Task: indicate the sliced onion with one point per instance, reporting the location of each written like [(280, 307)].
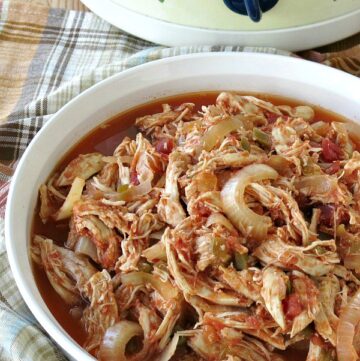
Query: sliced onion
[(348, 321), (83, 166), (232, 195), (73, 196), (155, 252), (218, 218), (116, 338), (321, 128), (218, 131), (316, 184), (279, 163), (305, 112), (169, 350), (85, 246), (166, 289), (157, 235), (135, 192), (353, 130)]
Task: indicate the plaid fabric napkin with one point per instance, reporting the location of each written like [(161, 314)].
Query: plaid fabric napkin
[(47, 57)]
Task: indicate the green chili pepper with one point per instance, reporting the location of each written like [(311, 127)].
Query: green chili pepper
[(220, 250), (341, 230), (241, 261), (145, 266), (288, 287), (245, 144), (320, 250), (123, 188), (262, 137)]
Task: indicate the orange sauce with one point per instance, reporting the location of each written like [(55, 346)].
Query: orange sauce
[(104, 139)]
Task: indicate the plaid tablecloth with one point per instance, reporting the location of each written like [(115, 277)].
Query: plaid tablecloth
[(48, 55)]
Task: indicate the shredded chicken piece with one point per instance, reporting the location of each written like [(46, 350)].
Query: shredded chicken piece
[(102, 311), (66, 271), (281, 201), (307, 292), (170, 208), (273, 292), (106, 240), (84, 166), (326, 321), (276, 252)]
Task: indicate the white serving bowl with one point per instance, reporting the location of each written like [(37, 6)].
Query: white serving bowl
[(290, 77)]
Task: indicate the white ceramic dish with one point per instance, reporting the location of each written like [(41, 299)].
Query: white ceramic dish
[(273, 74), (291, 25)]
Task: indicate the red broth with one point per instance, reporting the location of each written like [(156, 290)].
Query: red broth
[(104, 139)]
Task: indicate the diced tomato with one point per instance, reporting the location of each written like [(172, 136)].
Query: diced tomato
[(334, 168), (253, 322), (330, 150), (134, 178), (203, 210), (211, 334), (343, 216), (271, 117), (164, 146), (327, 214), (292, 306), (218, 326)]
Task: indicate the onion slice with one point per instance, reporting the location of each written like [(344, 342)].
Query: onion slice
[(349, 319), (218, 218), (232, 195), (353, 130), (169, 350), (155, 252), (166, 289), (84, 245), (316, 184), (218, 131), (73, 196), (116, 337)]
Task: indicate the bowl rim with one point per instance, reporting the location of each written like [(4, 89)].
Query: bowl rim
[(62, 338)]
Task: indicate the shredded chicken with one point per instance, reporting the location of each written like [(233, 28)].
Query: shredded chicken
[(225, 234)]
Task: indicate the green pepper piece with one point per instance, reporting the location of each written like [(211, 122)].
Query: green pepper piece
[(288, 287), (145, 266), (320, 250), (220, 250), (245, 144), (241, 261), (123, 188), (262, 137)]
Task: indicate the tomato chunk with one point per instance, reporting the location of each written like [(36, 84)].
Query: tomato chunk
[(330, 150), (292, 306), (271, 117), (327, 214), (164, 146), (334, 168), (134, 178)]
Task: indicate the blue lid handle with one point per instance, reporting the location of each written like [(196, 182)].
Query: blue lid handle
[(252, 8)]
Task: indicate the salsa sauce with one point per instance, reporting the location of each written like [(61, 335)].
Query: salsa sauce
[(104, 139)]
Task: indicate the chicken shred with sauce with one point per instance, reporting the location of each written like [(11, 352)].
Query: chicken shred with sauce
[(225, 234)]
